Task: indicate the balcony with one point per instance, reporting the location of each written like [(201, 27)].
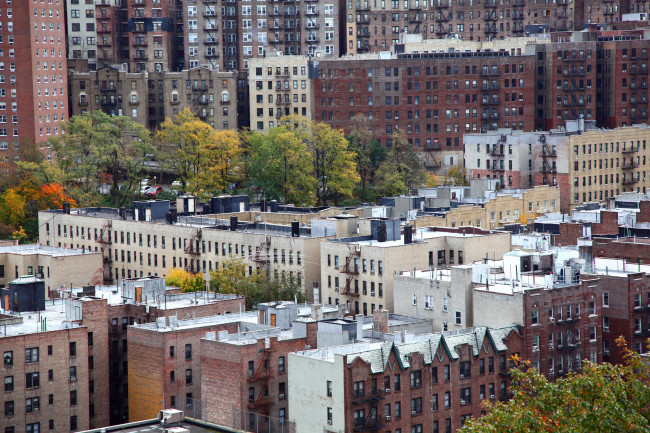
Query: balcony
[(630, 181), (575, 103), (104, 44), (492, 116), (207, 14), (518, 17), (638, 71), (489, 72), (311, 26), (109, 89), (360, 397), (109, 103), (282, 89), (312, 41), (497, 168), (489, 87), (141, 44), (570, 72), (363, 7), (518, 30), (199, 87), (311, 13), (140, 57), (442, 4), (639, 86), (572, 89), (103, 30), (442, 18), (213, 55), (210, 28), (627, 165), (491, 4), (281, 102), (631, 149), (491, 101), (211, 42), (496, 151)]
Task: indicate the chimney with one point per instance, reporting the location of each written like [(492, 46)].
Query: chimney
[(380, 321)]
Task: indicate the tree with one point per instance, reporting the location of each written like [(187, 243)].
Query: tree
[(402, 167), (97, 144), (232, 278), (457, 175), (219, 163), (184, 280), (279, 165), (369, 152), (12, 208), (603, 398), (334, 164), (179, 144)]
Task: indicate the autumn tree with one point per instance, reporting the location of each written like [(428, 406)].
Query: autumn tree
[(279, 165), (457, 175), (179, 144), (369, 152), (402, 171), (334, 163), (257, 287), (97, 144), (184, 280), (219, 163), (12, 208), (603, 398)]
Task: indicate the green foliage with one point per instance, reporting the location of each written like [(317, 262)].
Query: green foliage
[(369, 153), (97, 145), (232, 278), (603, 398), (402, 171)]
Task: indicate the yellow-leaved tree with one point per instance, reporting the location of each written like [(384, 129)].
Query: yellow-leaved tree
[(184, 280), (218, 163)]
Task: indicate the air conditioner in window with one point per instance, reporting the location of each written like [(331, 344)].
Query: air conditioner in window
[(535, 349), (492, 397), (189, 405), (329, 422), (413, 413), (336, 289), (387, 390), (281, 396), (462, 376), (551, 320), (73, 378), (463, 402)]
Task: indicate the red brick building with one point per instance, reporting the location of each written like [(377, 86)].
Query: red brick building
[(33, 88), (433, 98), (431, 384)]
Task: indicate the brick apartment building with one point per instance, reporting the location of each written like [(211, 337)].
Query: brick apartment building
[(434, 98), (33, 87), (150, 97), (433, 383), (588, 164), (164, 361)]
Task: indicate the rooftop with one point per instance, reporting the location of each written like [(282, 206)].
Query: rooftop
[(248, 321), (31, 249), (154, 425), (53, 318)]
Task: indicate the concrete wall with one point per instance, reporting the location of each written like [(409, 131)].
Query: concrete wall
[(308, 383), (497, 309)]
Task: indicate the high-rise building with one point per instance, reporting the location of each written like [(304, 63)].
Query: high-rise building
[(33, 82)]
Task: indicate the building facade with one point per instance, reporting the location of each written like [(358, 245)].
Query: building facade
[(432, 384), (151, 97), (279, 86)]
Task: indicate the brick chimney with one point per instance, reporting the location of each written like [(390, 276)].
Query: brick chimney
[(380, 321)]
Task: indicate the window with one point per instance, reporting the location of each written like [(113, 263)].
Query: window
[(606, 299), (9, 383), (416, 405), (73, 373), (281, 364), (447, 372), (9, 408), (73, 398), (329, 388), (397, 382), (8, 358), (188, 376), (31, 355), (458, 318), (188, 351), (359, 388), (465, 369), (171, 351), (447, 399), (416, 379), (31, 380), (73, 349), (465, 396)]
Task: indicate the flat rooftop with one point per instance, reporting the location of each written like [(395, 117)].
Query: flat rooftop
[(53, 318), (419, 235), (33, 249), (249, 321), (154, 426)]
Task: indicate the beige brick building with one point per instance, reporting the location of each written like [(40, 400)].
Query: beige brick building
[(137, 248), (360, 270), (150, 97), (278, 86), (58, 267)]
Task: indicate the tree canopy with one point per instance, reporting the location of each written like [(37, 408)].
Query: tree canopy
[(603, 398), (402, 170)]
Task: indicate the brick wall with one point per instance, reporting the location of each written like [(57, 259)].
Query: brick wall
[(569, 234)]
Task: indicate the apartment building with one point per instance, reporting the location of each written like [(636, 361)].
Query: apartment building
[(601, 12), (359, 271), (165, 361), (279, 86), (134, 249), (432, 383), (33, 81), (57, 267), (575, 65), (152, 35), (151, 97), (372, 26), (434, 97)]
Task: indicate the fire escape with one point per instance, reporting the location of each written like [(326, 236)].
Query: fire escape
[(262, 257), (351, 269), (549, 166), (105, 241), (415, 18), (570, 345), (193, 249), (260, 402), (371, 421), (496, 152)]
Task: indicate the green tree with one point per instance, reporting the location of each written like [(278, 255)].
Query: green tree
[(232, 278), (96, 145), (369, 152), (334, 163), (179, 141), (402, 167), (279, 165), (603, 398)]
